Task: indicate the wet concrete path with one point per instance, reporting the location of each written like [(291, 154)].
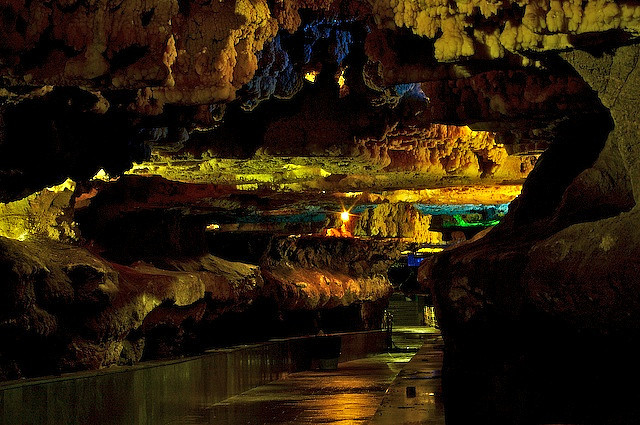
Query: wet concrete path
[(415, 396), (350, 395)]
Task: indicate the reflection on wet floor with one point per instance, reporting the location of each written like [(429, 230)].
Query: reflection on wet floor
[(349, 395), (415, 396)]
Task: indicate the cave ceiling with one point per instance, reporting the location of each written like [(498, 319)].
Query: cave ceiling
[(299, 97)]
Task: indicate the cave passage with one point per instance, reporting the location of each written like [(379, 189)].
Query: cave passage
[(207, 198), (369, 390)]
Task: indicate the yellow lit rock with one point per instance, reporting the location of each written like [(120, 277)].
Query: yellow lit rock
[(311, 76), (454, 42), (44, 214), (101, 175), (480, 194), (546, 24), (430, 250), (397, 220)]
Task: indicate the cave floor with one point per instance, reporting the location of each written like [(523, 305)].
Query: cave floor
[(357, 392), (415, 396)]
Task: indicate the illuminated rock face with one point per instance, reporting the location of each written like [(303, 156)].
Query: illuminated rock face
[(46, 214), (527, 26), (397, 220), (256, 112), (68, 309), (172, 52)]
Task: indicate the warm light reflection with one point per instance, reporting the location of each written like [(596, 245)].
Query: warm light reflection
[(213, 226), (311, 76), (344, 89), (41, 214), (101, 175), (430, 250), (341, 79)]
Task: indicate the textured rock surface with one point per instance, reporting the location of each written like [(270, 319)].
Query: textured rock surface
[(398, 220), (47, 214), (172, 52), (526, 26), (600, 297), (262, 111), (68, 309), (308, 273), (563, 264)]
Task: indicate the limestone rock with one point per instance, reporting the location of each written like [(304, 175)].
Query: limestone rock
[(398, 220), (563, 263), (46, 214), (313, 273), (68, 309)]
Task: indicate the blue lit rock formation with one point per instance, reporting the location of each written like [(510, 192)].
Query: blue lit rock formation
[(276, 76)]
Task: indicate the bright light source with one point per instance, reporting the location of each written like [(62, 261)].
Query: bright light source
[(311, 76), (101, 175), (341, 79), (344, 216), (213, 226), (430, 249)]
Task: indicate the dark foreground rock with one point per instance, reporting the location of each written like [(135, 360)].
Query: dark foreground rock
[(540, 317), (65, 308)]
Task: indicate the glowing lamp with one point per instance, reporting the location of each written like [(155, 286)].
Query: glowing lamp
[(344, 216), (311, 76)]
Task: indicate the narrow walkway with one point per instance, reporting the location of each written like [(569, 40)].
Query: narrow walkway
[(350, 395), (414, 397)]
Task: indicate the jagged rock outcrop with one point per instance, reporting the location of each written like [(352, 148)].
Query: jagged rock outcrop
[(68, 309), (445, 150), (170, 51), (311, 273), (398, 220), (562, 265), (46, 214), (507, 28)]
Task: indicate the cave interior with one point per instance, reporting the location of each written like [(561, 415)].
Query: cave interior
[(180, 175)]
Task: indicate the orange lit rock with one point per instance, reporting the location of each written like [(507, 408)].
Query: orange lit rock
[(444, 149), (340, 232), (314, 272), (171, 55)]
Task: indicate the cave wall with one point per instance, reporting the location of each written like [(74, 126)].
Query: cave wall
[(215, 96), (398, 220), (67, 308), (552, 290)]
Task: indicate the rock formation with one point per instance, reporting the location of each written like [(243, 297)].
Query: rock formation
[(553, 268), (241, 130)]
